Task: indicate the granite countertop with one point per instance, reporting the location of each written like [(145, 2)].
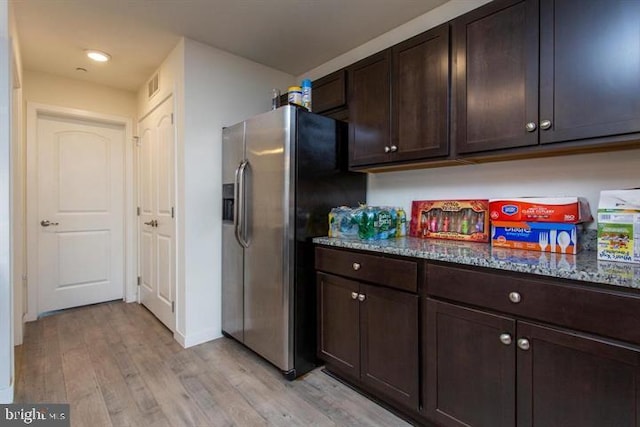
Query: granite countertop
[(583, 267)]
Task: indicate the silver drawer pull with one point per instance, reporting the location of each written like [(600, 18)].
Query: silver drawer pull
[(356, 266), (515, 297), (354, 295), (361, 297)]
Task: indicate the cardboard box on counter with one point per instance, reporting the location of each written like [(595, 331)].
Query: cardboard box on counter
[(536, 236), (450, 219), (619, 225), (571, 210)]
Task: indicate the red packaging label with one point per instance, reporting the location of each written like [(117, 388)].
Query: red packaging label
[(534, 210)]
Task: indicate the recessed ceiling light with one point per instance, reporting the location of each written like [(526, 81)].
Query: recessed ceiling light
[(97, 55)]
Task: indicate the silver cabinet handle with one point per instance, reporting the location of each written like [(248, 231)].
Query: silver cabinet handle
[(361, 297), (387, 148), (515, 297), (545, 124), (46, 223), (354, 295), (505, 339), (393, 148), (523, 344), (356, 266), (530, 127)]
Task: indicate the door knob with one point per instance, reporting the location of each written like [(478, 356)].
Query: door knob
[(361, 297), (545, 124), (356, 266), (387, 148), (149, 223), (530, 127), (46, 223), (354, 295), (393, 148)]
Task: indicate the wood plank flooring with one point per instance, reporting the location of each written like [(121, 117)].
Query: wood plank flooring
[(117, 365)]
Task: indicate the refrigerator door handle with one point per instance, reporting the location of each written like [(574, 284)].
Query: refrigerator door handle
[(240, 211)]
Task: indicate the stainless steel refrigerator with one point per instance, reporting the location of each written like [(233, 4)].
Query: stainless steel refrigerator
[(282, 172)]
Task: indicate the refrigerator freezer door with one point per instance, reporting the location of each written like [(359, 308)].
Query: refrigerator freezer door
[(269, 255), (232, 253)]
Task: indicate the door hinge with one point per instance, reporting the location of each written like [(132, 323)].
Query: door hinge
[(173, 306), (171, 118), (138, 210), (173, 212), (136, 141), (139, 280)]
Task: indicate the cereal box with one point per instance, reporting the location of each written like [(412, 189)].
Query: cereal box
[(619, 225), (536, 236), (450, 219), (571, 210)]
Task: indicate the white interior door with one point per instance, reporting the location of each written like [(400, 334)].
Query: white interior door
[(156, 220), (80, 191)]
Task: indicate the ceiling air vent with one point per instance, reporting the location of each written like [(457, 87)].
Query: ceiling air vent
[(153, 85)]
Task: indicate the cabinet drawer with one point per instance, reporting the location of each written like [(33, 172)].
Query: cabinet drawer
[(590, 310), (395, 273)]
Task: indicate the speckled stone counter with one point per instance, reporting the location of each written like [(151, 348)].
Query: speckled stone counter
[(583, 267)]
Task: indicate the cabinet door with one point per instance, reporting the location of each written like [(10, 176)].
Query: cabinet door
[(589, 68), (389, 334), (369, 105), (470, 371), (565, 379), (496, 76), (420, 124), (338, 324), (329, 92)]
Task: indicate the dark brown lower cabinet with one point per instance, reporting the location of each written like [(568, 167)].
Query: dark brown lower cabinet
[(339, 324), (369, 334), (487, 370), (470, 373), (565, 379)]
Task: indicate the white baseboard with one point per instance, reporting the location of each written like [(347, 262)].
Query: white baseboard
[(198, 338), (6, 395), (131, 297)]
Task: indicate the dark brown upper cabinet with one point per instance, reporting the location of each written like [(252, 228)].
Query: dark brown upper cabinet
[(496, 76), (369, 110), (589, 69), (413, 125), (329, 92), (573, 62), (420, 96)]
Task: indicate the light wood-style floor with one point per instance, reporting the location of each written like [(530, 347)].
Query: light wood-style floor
[(118, 366)]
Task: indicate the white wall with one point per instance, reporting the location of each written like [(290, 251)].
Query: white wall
[(211, 89), (576, 175), (6, 294), (45, 88), (18, 187), (220, 90)]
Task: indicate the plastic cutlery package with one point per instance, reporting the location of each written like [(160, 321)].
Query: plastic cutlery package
[(536, 236)]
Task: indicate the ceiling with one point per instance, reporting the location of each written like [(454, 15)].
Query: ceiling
[(293, 36)]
